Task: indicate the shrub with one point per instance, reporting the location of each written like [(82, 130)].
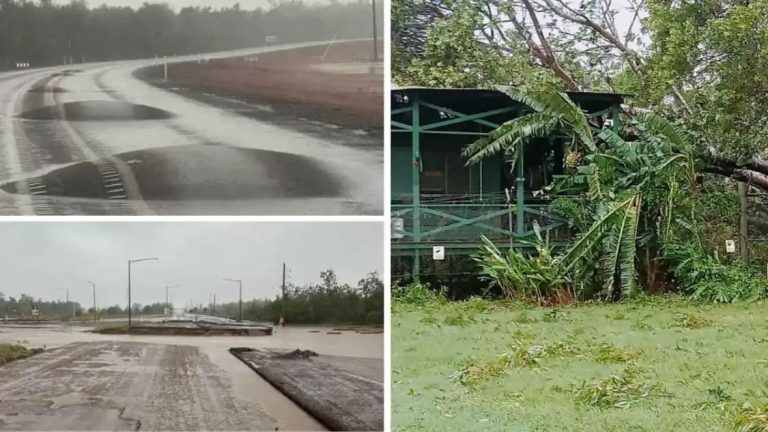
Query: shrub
[(417, 294), (521, 276), (704, 278)]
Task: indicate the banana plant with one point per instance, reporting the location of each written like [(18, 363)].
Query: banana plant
[(634, 188)]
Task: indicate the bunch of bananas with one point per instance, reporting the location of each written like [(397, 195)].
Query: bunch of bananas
[(573, 159)]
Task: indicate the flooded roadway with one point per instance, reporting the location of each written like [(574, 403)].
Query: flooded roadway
[(88, 381), (92, 139)]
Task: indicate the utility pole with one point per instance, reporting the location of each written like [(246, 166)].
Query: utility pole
[(375, 46), (167, 302), (282, 300)]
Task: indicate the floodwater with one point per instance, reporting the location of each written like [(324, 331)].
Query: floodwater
[(92, 381), (317, 339), (93, 139)]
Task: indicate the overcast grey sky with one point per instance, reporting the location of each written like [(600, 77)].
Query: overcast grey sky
[(178, 4), (42, 258)]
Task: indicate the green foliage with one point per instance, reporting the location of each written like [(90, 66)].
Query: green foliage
[(475, 370), (451, 55), (609, 353), (327, 302), (722, 41), (417, 294), (575, 212), (690, 321), (9, 352), (619, 391), (751, 417), (705, 278), (635, 197), (520, 276)]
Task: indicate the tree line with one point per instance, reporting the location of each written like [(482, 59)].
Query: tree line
[(326, 302), (45, 33), (21, 307), (322, 303)]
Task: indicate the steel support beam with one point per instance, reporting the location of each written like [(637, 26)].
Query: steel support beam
[(520, 193), (416, 181)]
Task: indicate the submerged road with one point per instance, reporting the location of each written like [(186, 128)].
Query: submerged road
[(87, 381), (92, 139)]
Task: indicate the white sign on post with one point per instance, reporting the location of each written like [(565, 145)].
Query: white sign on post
[(730, 246), (35, 312), (438, 253), (398, 226)]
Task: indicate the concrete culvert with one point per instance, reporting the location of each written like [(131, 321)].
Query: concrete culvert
[(100, 111)]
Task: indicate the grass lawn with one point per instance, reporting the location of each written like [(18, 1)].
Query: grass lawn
[(9, 352), (657, 364)]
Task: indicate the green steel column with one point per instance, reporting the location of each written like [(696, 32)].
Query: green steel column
[(520, 186), (616, 118), (416, 180)]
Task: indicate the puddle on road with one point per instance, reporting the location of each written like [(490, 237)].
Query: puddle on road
[(202, 172), (99, 110)]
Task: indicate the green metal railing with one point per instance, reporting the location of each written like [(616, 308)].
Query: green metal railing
[(464, 223)]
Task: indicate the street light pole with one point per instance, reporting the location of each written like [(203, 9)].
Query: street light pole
[(129, 285), (240, 284), (73, 305)]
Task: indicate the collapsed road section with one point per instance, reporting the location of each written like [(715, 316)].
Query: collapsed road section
[(343, 393)]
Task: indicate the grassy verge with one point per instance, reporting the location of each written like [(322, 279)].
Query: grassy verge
[(651, 365), (10, 352)]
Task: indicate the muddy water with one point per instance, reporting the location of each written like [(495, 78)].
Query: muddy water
[(245, 384), (346, 344)]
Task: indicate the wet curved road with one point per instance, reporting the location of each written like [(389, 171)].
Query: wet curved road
[(94, 140)]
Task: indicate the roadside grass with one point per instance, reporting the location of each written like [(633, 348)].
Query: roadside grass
[(654, 364), (10, 352)]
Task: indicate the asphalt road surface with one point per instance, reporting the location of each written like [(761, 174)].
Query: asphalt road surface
[(92, 139), (87, 381), (123, 386)]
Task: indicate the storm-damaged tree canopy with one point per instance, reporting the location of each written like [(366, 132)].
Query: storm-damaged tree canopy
[(702, 64)]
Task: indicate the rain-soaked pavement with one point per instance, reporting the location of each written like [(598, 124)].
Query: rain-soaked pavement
[(93, 139), (89, 381)]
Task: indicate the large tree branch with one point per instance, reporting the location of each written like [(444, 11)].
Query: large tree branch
[(753, 178), (548, 54)]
